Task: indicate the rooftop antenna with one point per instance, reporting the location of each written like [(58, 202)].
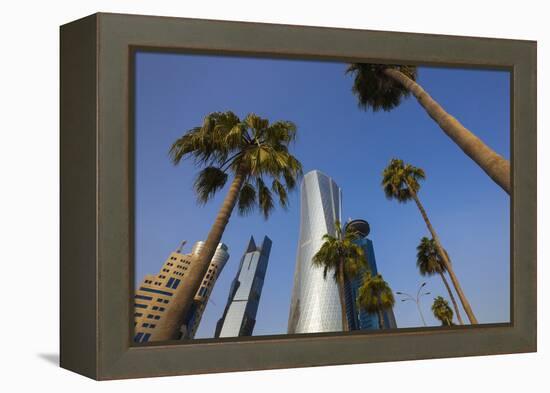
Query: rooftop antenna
[(181, 246)]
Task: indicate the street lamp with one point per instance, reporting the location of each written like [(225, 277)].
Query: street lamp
[(416, 299)]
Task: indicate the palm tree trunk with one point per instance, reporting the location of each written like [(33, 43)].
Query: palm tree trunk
[(496, 166), (185, 294), (343, 308), (455, 306), (444, 257), (381, 324)]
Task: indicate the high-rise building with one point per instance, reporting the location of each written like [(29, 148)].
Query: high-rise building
[(239, 316), (193, 318), (315, 305), (359, 319), (156, 293)]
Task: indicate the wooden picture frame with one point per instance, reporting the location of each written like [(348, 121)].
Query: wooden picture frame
[(97, 196)]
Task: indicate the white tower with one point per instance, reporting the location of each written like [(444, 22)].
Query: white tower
[(315, 304)]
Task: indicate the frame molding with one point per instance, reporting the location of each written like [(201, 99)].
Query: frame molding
[(97, 196)]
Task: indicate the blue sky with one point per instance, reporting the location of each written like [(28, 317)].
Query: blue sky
[(471, 213)]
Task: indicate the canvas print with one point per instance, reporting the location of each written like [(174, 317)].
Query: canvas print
[(293, 197)]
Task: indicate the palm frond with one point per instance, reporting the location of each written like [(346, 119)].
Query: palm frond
[(428, 260), (208, 181), (183, 147), (247, 199), (265, 199), (374, 89), (280, 132), (280, 190), (256, 124), (375, 294), (235, 137), (399, 180), (253, 147), (442, 311), (340, 249)]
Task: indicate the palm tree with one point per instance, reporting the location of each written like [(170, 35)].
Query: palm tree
[(345, 258), (430, 263), (442, 311), (401, 182), (250, 151), (383, 86), (375, 296)]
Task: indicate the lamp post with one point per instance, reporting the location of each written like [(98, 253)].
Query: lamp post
[(416, 299)]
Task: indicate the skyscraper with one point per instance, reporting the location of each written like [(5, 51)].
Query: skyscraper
[(315, 305), (153, 319), (239, 316), (194, 316), (359, 319)]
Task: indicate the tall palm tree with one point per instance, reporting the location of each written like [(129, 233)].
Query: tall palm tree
[(401, 182), (375, 296), (384, 86), (429, 263), (442, 311), (250, 151), (344, 258)]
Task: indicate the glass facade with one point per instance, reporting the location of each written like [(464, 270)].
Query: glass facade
[(239, 316), (315, 305), (357, 318)]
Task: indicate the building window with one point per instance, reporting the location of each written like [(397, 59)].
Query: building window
[(152, 326), (161, 309), (150, 316), (138, 314), (155, 291), (143, 297), (146, 337), (157, 316), (202, 291), (173, 283), (155, 308), (140, 305), (145, 325), (138, 337)]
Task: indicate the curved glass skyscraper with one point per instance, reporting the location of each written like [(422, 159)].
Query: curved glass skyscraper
[(315, 305)]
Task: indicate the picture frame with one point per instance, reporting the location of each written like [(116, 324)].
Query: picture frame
[(97, 155)]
